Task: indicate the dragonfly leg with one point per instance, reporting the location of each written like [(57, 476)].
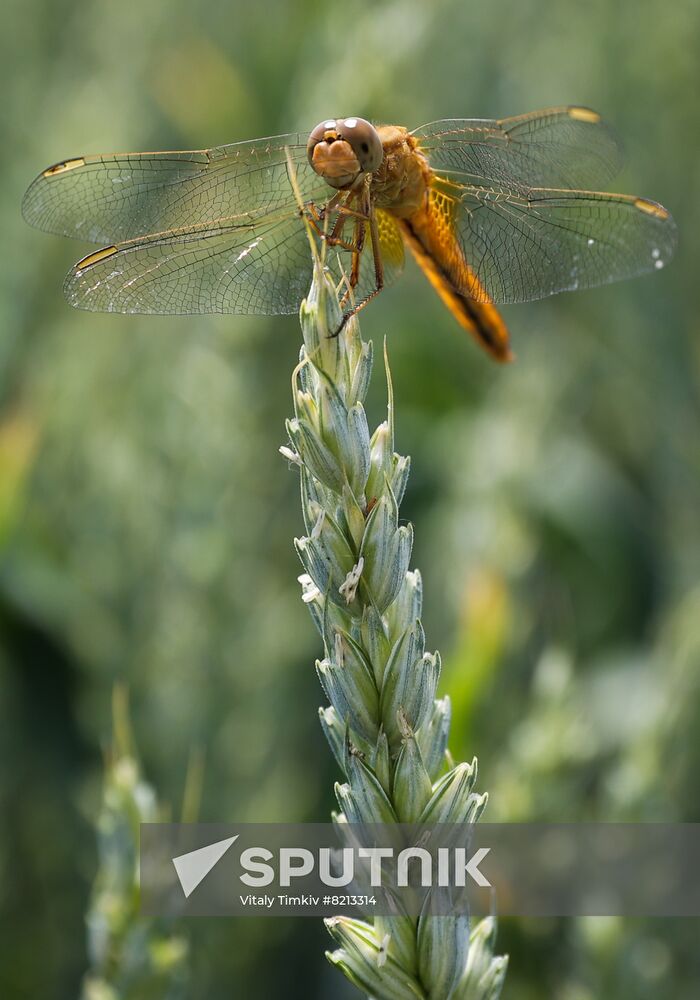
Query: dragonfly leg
[(335, 237), (378, 273), (359, 243), (317, 216)]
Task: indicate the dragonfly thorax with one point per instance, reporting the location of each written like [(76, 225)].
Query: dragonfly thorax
[(401, 182)]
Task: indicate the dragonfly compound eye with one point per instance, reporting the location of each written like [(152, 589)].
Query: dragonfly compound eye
[(362, 136), (342, 149)]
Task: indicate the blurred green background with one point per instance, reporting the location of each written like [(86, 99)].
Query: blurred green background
[(146, 518)]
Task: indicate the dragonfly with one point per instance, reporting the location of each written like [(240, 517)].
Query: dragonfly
[(493, 211)]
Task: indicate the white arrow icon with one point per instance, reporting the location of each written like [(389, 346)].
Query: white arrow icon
[(191, 868)]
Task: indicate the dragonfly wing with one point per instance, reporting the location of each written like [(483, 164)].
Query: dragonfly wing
[(111, 199), (527, 246), (263, 268), (567, 147)]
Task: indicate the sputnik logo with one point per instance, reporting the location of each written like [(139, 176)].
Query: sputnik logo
[(194, 866), (453, 866)]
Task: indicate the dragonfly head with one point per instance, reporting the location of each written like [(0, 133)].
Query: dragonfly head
[(342, 149)]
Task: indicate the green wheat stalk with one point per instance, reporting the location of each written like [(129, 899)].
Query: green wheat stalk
[(384, 724), (131, 957)]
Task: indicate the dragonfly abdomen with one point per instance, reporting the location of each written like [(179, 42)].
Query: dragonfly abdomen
[(430, 238)]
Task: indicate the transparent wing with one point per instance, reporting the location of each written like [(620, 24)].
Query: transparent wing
[(524, 247), (261, 267), (559, 147), (111, 199), (264, 268)]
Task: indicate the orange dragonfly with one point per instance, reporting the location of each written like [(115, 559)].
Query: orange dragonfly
[(493, 212)]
